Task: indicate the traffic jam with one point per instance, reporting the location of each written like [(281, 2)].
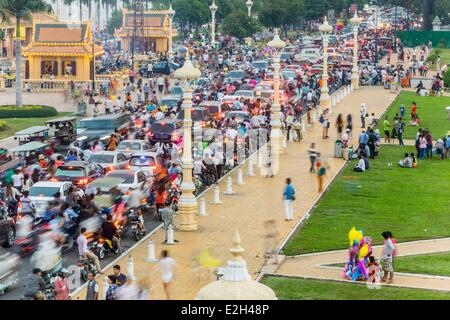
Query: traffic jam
[(108, 180)]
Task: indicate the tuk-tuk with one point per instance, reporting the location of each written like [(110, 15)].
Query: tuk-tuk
[(28, 151), (63, 130), (32, 134), (105, 191)]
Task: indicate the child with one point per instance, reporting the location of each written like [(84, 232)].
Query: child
[(373, 270)]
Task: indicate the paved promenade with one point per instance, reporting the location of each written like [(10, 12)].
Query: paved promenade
[(259, 200)]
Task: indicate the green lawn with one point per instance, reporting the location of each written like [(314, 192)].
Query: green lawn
[(412, 203), (310, 289), (17, 124), (431, 111), (444, 54)]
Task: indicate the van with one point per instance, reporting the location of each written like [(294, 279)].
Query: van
[(102, 127)]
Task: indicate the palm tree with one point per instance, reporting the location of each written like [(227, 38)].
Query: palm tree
[(21, 10)]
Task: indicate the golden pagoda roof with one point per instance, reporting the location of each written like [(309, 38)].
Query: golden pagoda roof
[(68, 39), (155, 24)]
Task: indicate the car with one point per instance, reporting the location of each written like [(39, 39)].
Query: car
[(143, 161), (133, 179), (246, 94), (287, 74), (236, 76), (80, 173), (239, 115), (129, 147), (7, 229), (285, 57), (109, 160), (165, 67), (260, 65), (9, 269), (217, 109), (172, 102), (162, 131), (176, 91), (42, 192)]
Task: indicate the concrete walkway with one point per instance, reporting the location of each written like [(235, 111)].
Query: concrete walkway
[(316, 265), (259, 200)]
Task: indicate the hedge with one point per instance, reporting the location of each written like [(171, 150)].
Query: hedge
[(27, 111), (447, 79)]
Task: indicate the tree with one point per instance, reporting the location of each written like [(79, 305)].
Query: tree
[(21, 10), (115, 22), (280, 13), (239, 25), (193, 13)]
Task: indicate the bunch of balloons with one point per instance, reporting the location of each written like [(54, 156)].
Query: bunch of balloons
[(359, 252)]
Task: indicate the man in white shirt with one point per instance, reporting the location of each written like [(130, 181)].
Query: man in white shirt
[(84, 252), (361, 166), (362, 114), (17, 179)]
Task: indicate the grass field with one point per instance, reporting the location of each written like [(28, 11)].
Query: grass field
[(310, 289), (431, 111), (412, 203), (17, 124)]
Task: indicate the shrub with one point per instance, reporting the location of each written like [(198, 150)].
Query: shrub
[(27, 111), (447, 79), (432, 58), (3, 126), (442, 44)]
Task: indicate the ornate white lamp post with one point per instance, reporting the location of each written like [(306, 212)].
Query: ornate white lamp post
[(249, 5), (275, 133), (325, 29), (187, 204), (355, 21), (213, 9), (170, 15)]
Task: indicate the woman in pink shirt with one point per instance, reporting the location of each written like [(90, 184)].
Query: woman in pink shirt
[(61, 285), (422, 146)]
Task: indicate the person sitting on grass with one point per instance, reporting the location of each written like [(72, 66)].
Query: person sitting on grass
[(406, 162), (414, 160), (361, 166)]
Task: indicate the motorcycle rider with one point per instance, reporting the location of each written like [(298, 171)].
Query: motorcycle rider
[(84, 252), (34, 285), (109, 231)]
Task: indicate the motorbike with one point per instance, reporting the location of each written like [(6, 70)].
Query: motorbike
[(137, 225)]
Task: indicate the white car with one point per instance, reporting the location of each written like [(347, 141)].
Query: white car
[(131, 146), (110, 160), (143, 161), (132, 179), (42, 192), (247, 94)]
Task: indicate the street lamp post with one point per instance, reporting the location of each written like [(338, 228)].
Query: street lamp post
[(213, 9), (187, 204), (355, 21), (249, 5), (325, 29), (275, 133), (170, 15)]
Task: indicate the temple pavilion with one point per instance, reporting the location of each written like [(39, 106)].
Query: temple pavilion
[(155, 30), (61, 51)]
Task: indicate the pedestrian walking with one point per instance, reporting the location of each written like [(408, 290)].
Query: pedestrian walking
[(387, 255), (167, 267), (288, 197), (363, 114), (313, 154)]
